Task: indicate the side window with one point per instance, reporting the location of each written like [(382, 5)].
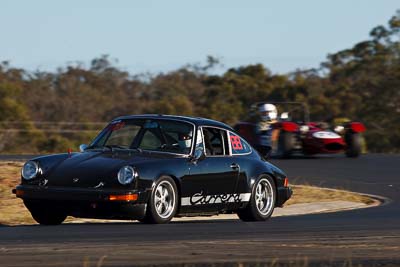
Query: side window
[(238, 145), (216, 141)]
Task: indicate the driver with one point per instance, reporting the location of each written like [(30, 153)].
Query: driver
[(267, 115), (185, 142)]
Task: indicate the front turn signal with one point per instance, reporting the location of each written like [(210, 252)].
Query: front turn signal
[(18, 192), (128, 197)]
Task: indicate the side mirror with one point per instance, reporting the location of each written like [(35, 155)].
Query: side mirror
[(82, 147), (199, 154)]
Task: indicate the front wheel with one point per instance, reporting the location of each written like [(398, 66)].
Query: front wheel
[(262, 201), (163, 202)]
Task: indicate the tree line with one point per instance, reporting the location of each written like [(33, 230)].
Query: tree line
[(44, 112)]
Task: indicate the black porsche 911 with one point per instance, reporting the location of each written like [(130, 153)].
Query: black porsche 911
[(152, 168)]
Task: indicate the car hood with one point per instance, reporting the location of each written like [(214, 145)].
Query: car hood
[(91, 169)]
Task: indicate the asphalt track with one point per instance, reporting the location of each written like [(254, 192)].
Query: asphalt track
[(367, 237)]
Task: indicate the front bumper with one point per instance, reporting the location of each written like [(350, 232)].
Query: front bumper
[(86, 203), (321, 146)]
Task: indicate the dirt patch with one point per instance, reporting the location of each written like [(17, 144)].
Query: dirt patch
[(13, 211)]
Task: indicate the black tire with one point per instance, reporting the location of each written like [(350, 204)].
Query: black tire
[(353, 141), (285, 144), (46, 215), (252, 211), (154, 213)]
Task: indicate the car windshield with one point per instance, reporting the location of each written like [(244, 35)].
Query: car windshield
[(146, 134)]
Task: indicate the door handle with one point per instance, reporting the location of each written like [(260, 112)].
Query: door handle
[(235, 166)]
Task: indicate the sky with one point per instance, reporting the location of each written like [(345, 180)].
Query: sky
[(160, 36)]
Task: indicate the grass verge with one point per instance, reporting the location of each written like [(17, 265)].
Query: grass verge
[(309, 194)]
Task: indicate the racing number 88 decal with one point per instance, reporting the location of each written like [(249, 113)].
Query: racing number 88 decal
[(236, 142)]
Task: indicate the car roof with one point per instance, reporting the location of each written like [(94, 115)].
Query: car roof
[(198, 121)]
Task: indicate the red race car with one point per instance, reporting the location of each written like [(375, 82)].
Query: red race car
[(292, 132)]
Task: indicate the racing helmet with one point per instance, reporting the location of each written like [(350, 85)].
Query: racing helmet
[(268, 112), (185, 140)]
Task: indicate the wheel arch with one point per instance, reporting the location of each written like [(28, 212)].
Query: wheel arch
[(264, 168), (255, 178), (277, 175), (177, 183)]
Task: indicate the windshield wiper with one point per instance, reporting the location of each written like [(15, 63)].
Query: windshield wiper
[(111, 148), (137, 149), (93, 148)]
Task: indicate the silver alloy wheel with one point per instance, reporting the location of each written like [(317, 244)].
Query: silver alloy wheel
[(264, 196), (164, 199)]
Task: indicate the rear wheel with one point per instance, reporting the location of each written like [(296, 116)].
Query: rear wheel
[(163, 202), (353, 141), (262, 201)]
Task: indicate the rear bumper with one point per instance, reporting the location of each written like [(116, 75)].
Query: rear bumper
[(284, 193), (86, 203)]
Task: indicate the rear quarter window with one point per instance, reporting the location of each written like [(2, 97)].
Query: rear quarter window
[(238, 144)]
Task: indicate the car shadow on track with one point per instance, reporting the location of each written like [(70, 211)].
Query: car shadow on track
[(79, 224)]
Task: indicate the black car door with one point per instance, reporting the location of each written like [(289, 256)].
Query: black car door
[(211, 183)]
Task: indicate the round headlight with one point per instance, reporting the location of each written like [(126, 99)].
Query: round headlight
[(30, 170), (126, 175)]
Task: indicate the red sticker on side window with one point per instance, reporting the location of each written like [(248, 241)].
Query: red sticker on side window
[(236, 143), (117, 126)]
